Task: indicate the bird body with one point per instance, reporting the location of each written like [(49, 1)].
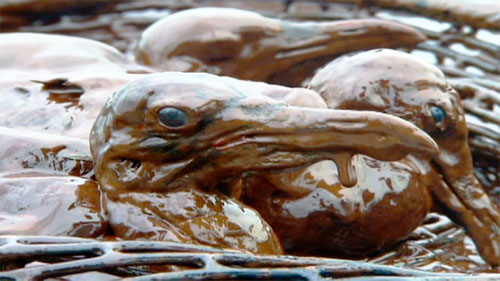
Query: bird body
[(395, 83), (162, 174)]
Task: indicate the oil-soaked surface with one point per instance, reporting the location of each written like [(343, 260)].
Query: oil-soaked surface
[(64, 84), (147, 165), (62, 93), (25, 152), (249, 46), (334, 220), (50, 205), (398, 84)]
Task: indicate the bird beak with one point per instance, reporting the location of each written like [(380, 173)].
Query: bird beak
[(248, 46), (307, 46), (294, 136), (464, 198)]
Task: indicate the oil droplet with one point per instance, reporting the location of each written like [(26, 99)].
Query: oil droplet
[(347, 175)]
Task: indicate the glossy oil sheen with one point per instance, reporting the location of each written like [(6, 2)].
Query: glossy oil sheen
[(249, 46), (71, 85), (399, 84), (171, 181)]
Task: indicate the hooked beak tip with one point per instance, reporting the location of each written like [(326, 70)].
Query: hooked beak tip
[(427, 144)]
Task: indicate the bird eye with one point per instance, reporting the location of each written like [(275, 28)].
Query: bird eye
[(173, 117), (437, 113)]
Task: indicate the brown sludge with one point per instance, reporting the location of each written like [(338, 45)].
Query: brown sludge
[(373, 215), (184, 182), (147, 167)]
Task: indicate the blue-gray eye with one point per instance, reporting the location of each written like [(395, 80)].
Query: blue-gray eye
[(173, 117), (437, 113)]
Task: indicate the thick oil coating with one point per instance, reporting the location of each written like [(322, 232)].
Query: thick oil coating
[(248, 46), (52, 85), (50, 205), (315, 214), (29, 153), (63, 85), (66, 80), (60, 90), (66, 95), (401, 85), (46, 186), (381, 211), (166, 145), (51, 56)]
